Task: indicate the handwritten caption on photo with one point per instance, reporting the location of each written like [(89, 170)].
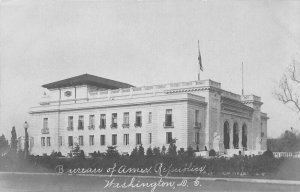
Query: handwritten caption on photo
[(161, 170)]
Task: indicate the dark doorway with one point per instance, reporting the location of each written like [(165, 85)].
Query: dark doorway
[(235, 136), (244, 137), (226, 135)]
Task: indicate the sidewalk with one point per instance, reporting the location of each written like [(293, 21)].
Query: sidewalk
[(248, 180)]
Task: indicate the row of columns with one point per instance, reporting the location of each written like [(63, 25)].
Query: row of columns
[(228, 134)]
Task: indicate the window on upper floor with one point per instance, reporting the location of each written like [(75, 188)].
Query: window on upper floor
[(92, 122), (80, 122), (45, 123), (197, 118), (126, 120), (138, 119), (102, 121), (150, 117), (114, 120), (70, 123), (168, 118)]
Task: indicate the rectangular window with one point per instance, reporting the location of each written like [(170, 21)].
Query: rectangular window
[(126, 139), (197, 118), (60, 141), (150, 138), (102, 121), (138, 119), (43, 142), (138, 139), (114, 120), (126, 120), (150, 117), (197, 137), (168, 118), (80, 122), (114, 139), (48, 142), (91, 140), (81, 140), (70, 123), (102, 139), (45, 123), (168, 137), (92, 122), (70, 141)]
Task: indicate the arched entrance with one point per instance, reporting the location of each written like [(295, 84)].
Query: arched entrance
[(244, 136), (226, 135), (235, 139)]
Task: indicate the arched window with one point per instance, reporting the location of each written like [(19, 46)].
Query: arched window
[(235, 136), (244, 136), (226, 135)]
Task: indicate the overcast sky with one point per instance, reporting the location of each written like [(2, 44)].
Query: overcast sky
[(144, 43)]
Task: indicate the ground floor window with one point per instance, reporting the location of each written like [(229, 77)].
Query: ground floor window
[(138, 139), (91, 139), (150, 138), (81, 140), (43, 142), (197, 137), (60, 141), (48, 142), (126, 139), (168, 137), (70, 141), (102, 139), (114, 139)]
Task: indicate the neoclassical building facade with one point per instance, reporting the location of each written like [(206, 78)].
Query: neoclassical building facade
[(96, 112)]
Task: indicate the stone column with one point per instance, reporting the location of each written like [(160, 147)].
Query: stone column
[(231, 136)]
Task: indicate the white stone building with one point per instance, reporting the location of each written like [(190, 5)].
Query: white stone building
[(97, 112)]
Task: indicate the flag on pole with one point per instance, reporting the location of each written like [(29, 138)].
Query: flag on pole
[(199, 58)]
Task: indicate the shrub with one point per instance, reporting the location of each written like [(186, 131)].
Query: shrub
[(163, 150), (212, 152), (112, 152), (149, 152), (141, 151), (156, 151), (190, 151), (134, 153), (268, 153), (172, 150)]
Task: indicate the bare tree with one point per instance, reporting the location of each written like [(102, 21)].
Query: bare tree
[(288, 90)]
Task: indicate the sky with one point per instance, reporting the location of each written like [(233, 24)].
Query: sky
[(146, 42)]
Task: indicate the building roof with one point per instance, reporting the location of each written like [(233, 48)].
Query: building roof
[(87, 79)]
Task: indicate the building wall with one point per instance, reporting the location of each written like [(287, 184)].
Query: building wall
[(183, 98), (180, 110)]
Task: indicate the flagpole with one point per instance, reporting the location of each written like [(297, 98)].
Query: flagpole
[(199, 59), (242, 78)]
